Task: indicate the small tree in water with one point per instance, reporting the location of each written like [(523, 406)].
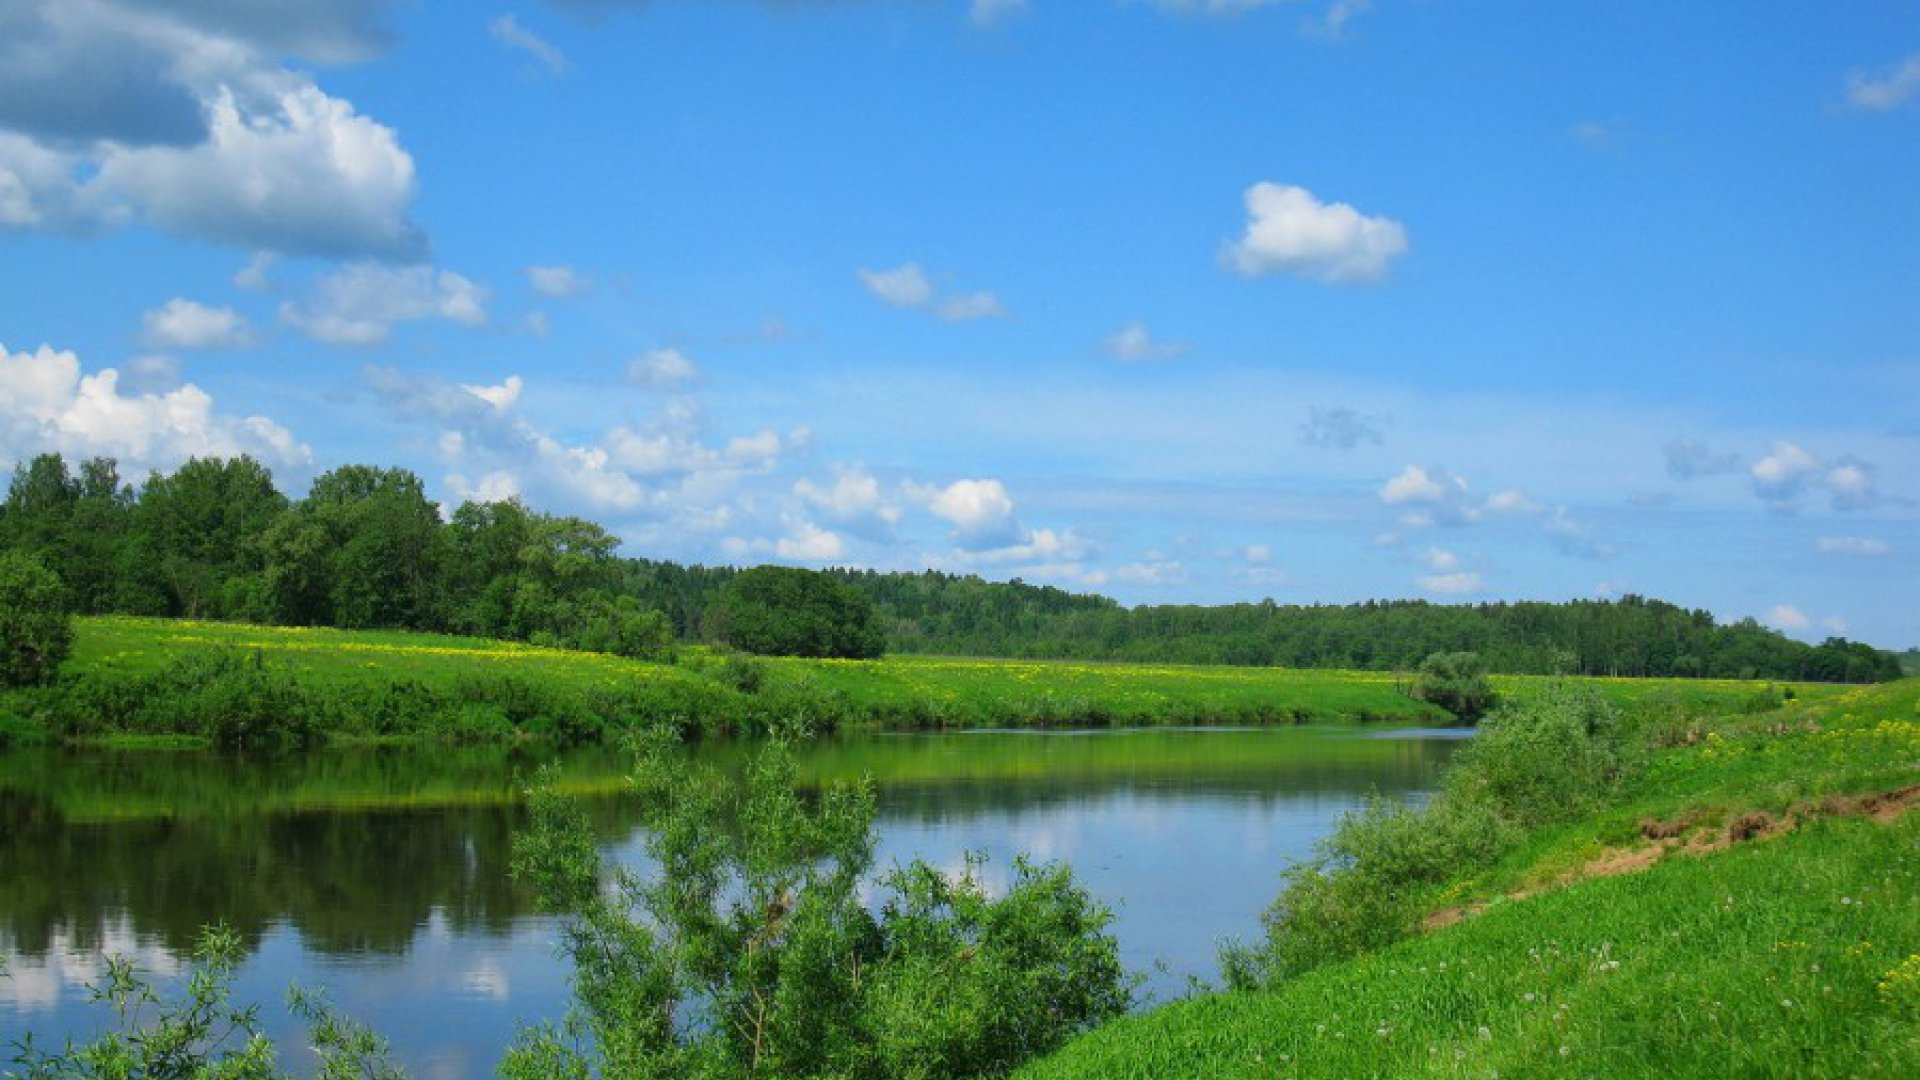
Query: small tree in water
[(1457, 682), (751, 954)]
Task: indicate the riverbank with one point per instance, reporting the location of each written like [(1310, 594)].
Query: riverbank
[(167, 681), (1742, 904)]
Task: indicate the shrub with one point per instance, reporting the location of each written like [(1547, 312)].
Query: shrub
[(1457, 682), (750, 952), (36, 628)]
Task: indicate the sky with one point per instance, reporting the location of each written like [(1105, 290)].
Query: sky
[(1180, 301)]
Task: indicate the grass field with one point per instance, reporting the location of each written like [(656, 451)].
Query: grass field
[(392, 684), (1745, 907)]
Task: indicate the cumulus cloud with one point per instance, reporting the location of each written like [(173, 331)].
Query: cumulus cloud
[(1690, 458), (1431, 496), (256, 275), (115, 111), (1511, 501), (1339, 428), (1889, 90), (153, 373), (1440, 560), (47, 403), (558, 281), (1788, 474), (362, 303), (1573, 537), (501, 397), (1133, 343), (980, 511), (1157, 572), (853, 500), (662, 368), (1858, 546), (507, 31), (185, 324), (907, 286), (1290, 230), (804, 542)]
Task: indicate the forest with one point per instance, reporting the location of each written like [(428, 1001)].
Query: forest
[(367, 549)]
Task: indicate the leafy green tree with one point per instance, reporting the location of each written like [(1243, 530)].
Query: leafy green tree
[(36, 630), (750, 953), (1457, 682), (785, 611), (364, 549), (203, 527)]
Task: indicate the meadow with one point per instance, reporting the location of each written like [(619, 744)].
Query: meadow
[(170, 681), (1743, 905)]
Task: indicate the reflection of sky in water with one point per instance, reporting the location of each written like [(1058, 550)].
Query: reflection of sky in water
[(1183, 860)]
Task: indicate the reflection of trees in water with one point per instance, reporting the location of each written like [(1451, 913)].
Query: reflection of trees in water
[(366, 882), (350, 883)]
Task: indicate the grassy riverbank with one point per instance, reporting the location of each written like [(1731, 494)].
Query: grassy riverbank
[(154, 679), (1742, 905)]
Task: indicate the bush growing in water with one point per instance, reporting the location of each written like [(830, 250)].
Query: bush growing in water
[(1530, 765), (751, 954), (36, 630)]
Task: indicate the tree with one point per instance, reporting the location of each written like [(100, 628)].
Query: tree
[(749, 953), (785, 611), (36, 629)]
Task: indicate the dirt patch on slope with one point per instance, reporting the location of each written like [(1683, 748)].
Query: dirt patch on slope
[(1685, 834)]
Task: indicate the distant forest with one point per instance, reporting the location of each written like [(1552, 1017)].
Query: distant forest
[(367, 549)]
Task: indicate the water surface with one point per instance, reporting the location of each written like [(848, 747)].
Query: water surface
[(382, 875)]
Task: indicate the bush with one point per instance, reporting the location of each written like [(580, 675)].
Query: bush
[(36, 628), (751, 953), (1373, 879), (1457, 682)]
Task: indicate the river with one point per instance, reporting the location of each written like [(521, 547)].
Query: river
[(381, 874)]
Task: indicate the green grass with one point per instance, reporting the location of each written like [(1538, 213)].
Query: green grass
[(1765, 958), (385, 684)]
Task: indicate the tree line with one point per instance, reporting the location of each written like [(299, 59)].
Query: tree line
[(366, 548)]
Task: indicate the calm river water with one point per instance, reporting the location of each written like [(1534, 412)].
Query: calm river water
[(382, 875)]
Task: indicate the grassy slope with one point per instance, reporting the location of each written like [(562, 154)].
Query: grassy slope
[(1763, 958), (898, 692)]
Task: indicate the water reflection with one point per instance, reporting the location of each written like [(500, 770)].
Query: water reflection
[(383, 875)]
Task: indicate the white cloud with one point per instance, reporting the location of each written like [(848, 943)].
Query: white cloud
[(904, 286), (184, 324), (362, 303), (493, 487), (993, 12), (980, 511), (1595, 134), (907, 286), (558, 281), (1257, 554), (117, 111), (255, 276), (1834, 624), (507, 31), (1434, 496), (1512, 501), (1462, 583), (1134, 343), (966, 307), (1789, 473), (1440, 560), (48, 404), (810, 543), (854, 499), (1786, 617), (1860, 546), (1289, 230), (1053, 547), (1212, 7), (662, 368), (1152, 572), (1880, 93), (307, 175), (1573, 537), (153, 373), (501, 397)]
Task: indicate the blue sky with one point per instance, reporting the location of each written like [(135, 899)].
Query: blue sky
[(1176, 301)]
